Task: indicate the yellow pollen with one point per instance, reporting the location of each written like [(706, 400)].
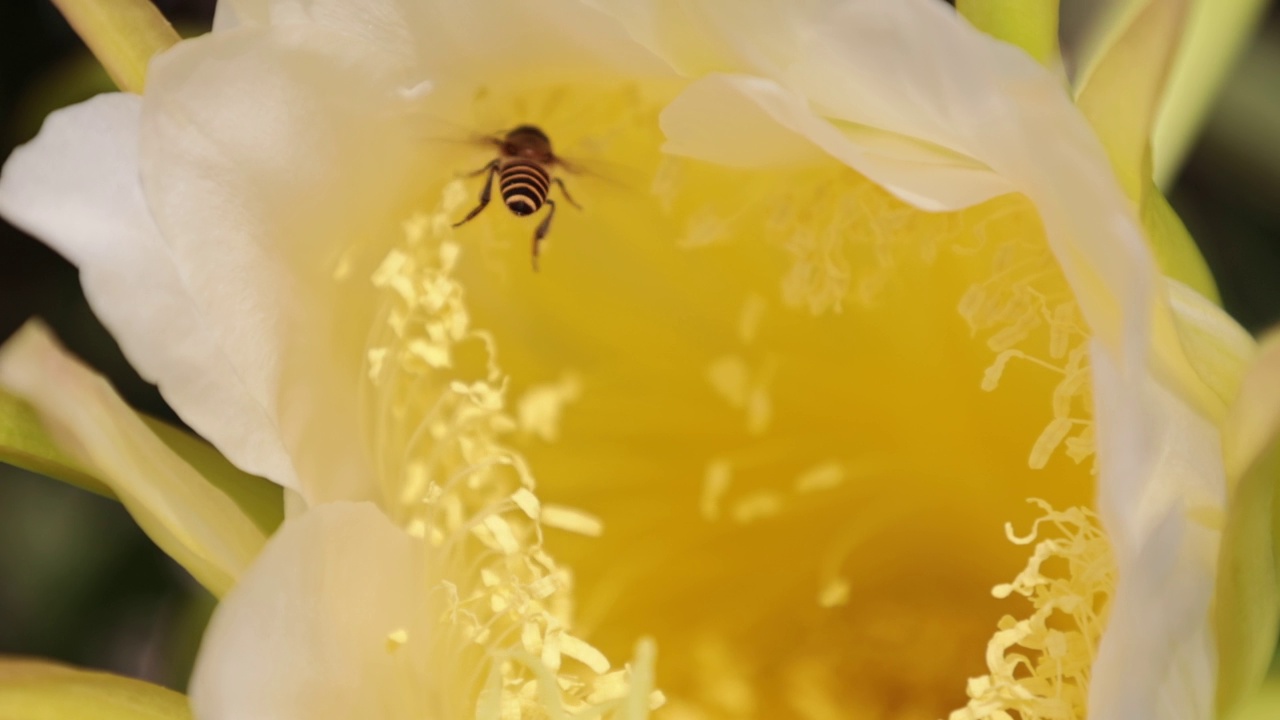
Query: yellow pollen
[(541, 406), (396, 639)]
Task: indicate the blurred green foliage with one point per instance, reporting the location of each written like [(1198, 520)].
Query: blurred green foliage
[(80, 583)]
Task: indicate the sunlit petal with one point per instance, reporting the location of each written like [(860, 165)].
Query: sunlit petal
[(259, 215), (76, 187)]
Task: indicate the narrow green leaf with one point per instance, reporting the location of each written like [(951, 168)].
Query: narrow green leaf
[(260, 499), (123, 34), (1217, 32), (1030, 24), (40, 690), (25, 444)]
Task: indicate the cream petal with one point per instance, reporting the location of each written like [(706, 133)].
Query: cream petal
[(305, 635), (274, 161), (76, 187), (1161, 497), (746, 121), (192, 521), (383, 24)]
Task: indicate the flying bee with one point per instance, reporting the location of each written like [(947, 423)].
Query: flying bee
[(523, 168)]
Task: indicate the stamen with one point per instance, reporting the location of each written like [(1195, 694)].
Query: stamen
[(438, 422), (1025, 303), (1039, 668)]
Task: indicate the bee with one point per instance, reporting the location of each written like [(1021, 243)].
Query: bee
[(523, 168)]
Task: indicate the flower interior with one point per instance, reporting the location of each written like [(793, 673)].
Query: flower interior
[(789, 427)]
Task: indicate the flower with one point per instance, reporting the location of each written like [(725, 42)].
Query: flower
[(854, 283)]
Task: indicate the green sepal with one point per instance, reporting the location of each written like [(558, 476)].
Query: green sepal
[(24, 443), (1247, 598), (1030, 24), (1265, 705), (260, 499), (41, 690), (1247, 607), (1176, 252)]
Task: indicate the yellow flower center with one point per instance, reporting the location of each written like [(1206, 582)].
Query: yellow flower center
[(803, 412)]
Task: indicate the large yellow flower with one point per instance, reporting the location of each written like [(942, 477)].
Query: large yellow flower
[(857, 323)]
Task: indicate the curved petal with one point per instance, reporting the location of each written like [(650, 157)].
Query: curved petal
[(1122, 94), (306, 635), (746, 121), (189, 519), (272, 160), (1216, 346), (76, 187), (40, 690), (1161, 492)]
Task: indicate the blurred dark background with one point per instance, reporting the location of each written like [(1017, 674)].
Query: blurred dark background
[(80, 583)]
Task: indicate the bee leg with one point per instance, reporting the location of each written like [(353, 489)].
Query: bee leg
[(541, 232), (485, 194), (565, 191), (492, 164)]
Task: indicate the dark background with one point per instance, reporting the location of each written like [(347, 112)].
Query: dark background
[(80, 583)]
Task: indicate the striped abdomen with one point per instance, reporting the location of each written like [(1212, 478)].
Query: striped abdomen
[(523, 184)]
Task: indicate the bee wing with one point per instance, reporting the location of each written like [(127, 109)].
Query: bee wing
[(616, 176), (434, 127)]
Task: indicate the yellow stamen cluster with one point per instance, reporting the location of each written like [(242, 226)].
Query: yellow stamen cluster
[(1039, 667), (504, 634), (1024, 304)]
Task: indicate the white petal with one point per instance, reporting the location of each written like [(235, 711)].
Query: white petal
[(76, 187), (745, 121), (1161, 495), (197, 525), (304, 636), (478, 40), (274, 163)]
